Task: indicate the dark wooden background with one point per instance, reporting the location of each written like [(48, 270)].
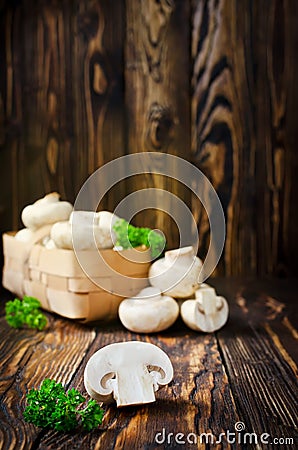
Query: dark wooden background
[(85, 81)]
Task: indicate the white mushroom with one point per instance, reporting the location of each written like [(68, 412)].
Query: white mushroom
[(207, 313), (48, 243), (148, 311), (106, 222), (61, 235), (24, 235), (177, 273), (46, 211), (129, 372), (90, 229)]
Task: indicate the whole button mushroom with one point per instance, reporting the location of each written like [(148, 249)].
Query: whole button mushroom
[(24, 235), (148, 312), (106, 237), (130, 372), (177, 273), (90, 228), (207, 313), (46, 211)]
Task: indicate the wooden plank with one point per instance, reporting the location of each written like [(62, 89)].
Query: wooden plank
[(187, 405), (16, 347), (61, 110), (12, 117), (27, 358), (157, 97), (61, 99), (256, 349), (217, 123), (243, 129), (289, 170), (245, 373), (98, 92), (264, 302)]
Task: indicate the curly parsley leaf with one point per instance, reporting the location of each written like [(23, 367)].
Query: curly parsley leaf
[(130, 236), (25, 312), (91, 416), (51, 407)]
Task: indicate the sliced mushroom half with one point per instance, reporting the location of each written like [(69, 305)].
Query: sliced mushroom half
[(129, 372), (208, 312)]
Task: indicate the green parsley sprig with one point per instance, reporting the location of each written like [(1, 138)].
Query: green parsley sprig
[(25, 312), (130, 236), (52, 407)]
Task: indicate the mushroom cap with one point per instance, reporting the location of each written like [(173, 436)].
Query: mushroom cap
[(177, 273), (52, 197), (84, 230), (46, 211), (127, 370), (61, 235), (106, 222), (148, 312), (88, 225), (24, 235), (207, 313), (84, 218), (187, 310)]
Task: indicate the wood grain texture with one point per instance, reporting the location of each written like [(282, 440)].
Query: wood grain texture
[(200, 381), (157, 95), (256, 340), (98, 94), (245, 372), (29, 357), (61, 98), (243, 104), (83, 82)]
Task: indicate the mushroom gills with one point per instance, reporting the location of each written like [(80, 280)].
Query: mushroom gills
[(130, 372), (208, 312)]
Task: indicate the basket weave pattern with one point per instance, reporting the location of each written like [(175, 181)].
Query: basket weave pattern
[(56, 278)]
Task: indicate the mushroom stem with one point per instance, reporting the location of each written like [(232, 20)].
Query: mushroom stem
[(208, 312), (130, 372), (140, 379), (207, 301)]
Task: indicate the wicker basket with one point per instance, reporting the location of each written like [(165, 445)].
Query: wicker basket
[(56, 278)]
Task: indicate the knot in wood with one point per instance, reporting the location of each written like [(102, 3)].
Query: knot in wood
[(160, 126)]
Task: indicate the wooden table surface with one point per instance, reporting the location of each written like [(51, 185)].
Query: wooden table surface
[(244, 373)]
